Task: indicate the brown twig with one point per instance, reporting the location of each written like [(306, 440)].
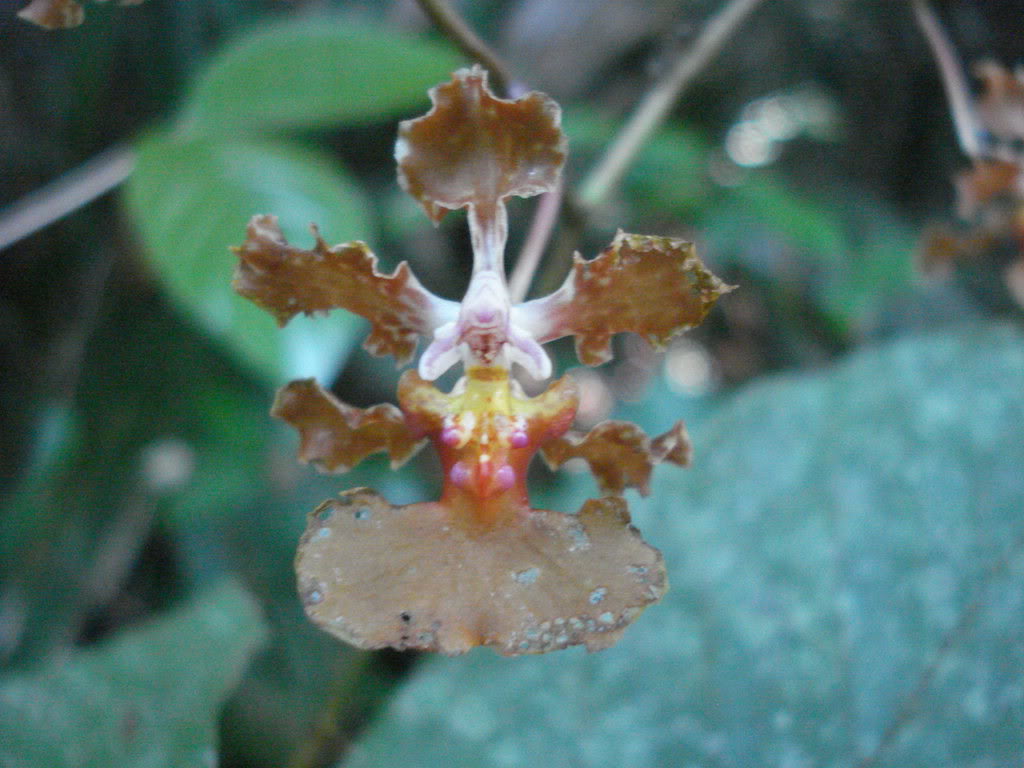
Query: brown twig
[(458, 31), (658, 101)]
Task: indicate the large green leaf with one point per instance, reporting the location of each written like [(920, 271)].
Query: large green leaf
[(149, 697), (191, 200), (845, 554), (316, 73)]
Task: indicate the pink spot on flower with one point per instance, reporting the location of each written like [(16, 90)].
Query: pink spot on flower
[(459, 474), (450, 437), (505, 477), (519, 439)]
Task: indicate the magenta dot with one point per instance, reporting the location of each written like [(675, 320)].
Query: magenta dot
[(450, 437), (505, 476), (459, 474), (519, 439)]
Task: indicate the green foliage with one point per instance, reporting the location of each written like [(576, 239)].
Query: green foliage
[(155, 395), (191, 199), (317, 73), (851, 255), (149, 696), (839, 537), (194, 189)]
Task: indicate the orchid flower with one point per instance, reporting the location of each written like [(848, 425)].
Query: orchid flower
[(479, 566)]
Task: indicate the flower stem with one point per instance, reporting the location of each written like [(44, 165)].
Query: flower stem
[(965, 121), (75, 189), (454, 27), (655, 106), (537, 238)]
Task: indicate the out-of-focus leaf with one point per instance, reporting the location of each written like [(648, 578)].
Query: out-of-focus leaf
[(191, 200), (313, 73), (669, 171), (854, 256), (838, 536), (150, 696), (161, 428)]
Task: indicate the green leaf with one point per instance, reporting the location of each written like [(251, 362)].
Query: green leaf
[(148, 697), (191, 199), (853, 254), (846, 552), (669, 171), (162, 429), (311, 73)]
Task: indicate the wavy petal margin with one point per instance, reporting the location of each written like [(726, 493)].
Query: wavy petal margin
[(286, 280), (422, 576), (473, 148), (653, 286), (619, 454), (58, 14), (335, 436)]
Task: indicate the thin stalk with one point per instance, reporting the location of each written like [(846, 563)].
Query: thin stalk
[(46, 205), (454, 27), (656, 104), (965, 120), (537, 238)]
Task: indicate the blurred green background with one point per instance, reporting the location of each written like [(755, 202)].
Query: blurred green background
[(846, 553)]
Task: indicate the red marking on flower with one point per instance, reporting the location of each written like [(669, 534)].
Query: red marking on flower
[(479, 566)]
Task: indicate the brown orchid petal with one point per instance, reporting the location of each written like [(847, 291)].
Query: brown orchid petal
[(987, 180), (53, 14), (619, 453), (673, 446), (1001, 106), (421, 576), (335, 436), (474, 148), (58, 14), (653, 286), (286, 280)]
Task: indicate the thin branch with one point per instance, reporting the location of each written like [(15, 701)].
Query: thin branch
[(458, 31), (46, 205), (654, 108), (541, 227), (965, 120)]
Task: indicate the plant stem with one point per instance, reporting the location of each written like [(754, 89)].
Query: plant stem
[(541, 227), (655, 106), (458, 31), (42, 207), (965, 121)]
